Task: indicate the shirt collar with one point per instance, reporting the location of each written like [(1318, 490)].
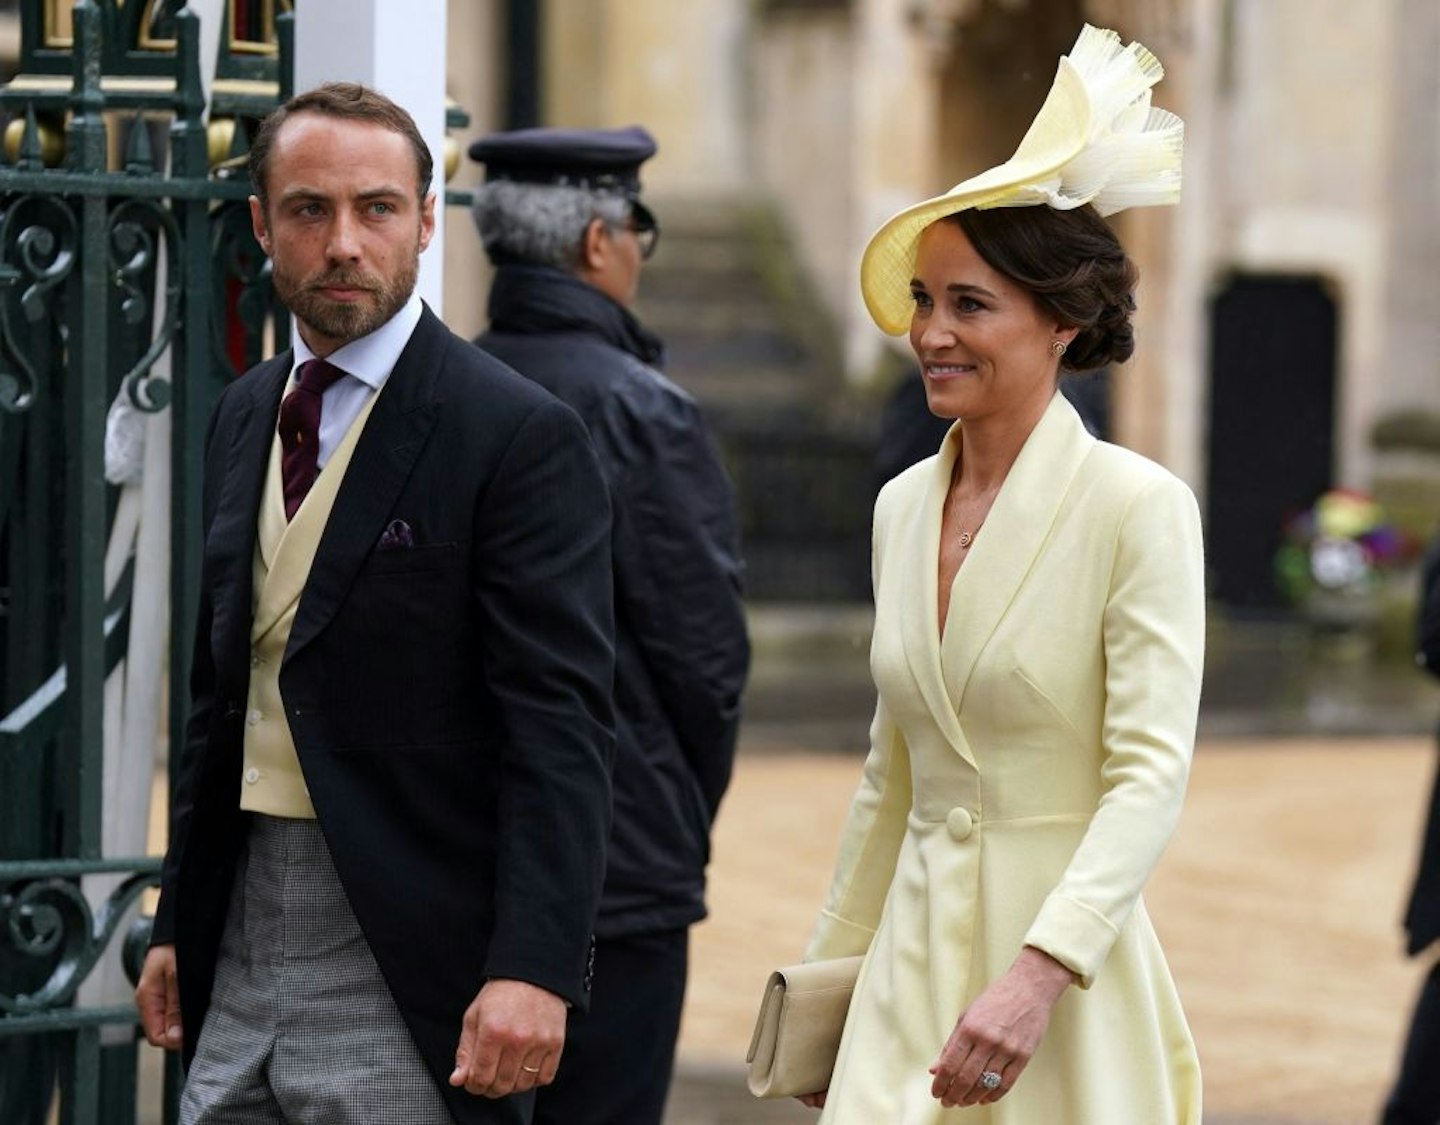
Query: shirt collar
[(370, 358)]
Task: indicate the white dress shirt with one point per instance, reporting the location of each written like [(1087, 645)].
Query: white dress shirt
[(367, 363)]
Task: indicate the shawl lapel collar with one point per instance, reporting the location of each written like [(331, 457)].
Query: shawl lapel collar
[(231, 539), (1015, 532), (921, 540), (399, 425)]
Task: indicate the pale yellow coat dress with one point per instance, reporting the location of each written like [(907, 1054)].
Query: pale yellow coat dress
[(1025, 774)]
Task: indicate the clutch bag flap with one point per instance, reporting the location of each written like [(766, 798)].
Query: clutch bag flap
[(797, 1033)]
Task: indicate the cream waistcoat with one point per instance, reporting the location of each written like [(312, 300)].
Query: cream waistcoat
[(271, 780)]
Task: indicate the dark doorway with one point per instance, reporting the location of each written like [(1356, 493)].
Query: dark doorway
[(1272, 424)]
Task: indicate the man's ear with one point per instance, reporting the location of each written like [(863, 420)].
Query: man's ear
[(595, 246), (257, 224), (427, 221)]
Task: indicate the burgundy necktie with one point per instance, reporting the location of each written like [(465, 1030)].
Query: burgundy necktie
[(300, 430)]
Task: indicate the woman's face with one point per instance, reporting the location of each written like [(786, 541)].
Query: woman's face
[(984, 345)]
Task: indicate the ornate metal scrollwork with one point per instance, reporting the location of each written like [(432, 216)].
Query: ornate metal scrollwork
[(37, 244), (241, 262), (48, 916), (132, 253)]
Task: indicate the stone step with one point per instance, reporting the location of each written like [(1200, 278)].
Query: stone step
[(704, 216), (773, 350), (685, 253), (764, 391), (747, 312), (741, 334)]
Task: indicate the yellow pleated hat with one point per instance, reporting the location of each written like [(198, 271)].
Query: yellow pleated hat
[(1096, 140)]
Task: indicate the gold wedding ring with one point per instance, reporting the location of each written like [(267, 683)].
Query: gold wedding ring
[(530, 1069)]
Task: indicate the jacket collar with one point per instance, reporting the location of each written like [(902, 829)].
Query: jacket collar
[(1015, 532), (530, 300)]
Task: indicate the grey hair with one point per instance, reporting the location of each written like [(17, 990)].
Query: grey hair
[(542, 224)]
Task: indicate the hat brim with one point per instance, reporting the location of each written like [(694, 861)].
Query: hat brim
[(1055, 137)]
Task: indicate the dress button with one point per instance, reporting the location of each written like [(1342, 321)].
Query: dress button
[(959, 824), (252, 775), (254, 718)]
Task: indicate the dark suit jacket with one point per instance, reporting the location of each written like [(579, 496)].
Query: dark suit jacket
[(1422, 916), (450, 701)]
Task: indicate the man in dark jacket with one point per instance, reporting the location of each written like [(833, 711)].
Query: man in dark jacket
[(1415, 1098), (561, 218)]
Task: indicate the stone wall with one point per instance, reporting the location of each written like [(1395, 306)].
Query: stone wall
[(679, 69), (1306, 128)]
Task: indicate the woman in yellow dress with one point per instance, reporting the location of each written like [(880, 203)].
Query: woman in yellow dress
[(1039, 636)]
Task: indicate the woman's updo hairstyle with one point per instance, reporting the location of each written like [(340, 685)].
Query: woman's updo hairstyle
[(1072, 264)]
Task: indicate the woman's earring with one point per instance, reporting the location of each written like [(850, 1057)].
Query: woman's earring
[(1057, 348)]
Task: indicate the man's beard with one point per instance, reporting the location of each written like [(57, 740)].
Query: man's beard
[(346, 320)]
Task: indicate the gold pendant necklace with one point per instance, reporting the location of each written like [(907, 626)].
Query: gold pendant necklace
[(968, 537)]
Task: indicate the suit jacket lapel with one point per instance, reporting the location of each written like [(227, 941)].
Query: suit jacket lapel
[(231, 539), (1014, 534), (399, 426)]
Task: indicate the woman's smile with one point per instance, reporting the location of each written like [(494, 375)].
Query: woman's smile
[(937, 370)]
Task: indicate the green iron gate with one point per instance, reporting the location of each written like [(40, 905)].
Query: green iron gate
[(130, 284), (127, 270)]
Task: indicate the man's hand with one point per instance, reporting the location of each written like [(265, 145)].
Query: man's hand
[(511, 1039), (158, 998)]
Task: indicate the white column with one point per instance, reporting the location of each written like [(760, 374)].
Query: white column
[(398, 48)]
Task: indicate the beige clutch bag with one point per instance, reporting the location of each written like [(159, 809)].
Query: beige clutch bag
[(797, 1034)]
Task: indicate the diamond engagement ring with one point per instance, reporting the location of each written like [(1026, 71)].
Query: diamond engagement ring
[(990, 1080)]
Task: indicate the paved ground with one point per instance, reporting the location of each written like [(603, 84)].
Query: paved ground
[(1277, 904)]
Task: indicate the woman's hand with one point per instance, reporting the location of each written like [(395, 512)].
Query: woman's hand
[(814, 1101), (999, 1032)]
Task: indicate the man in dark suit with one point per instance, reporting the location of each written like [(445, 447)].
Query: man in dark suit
[(387, 840), (560, 214)]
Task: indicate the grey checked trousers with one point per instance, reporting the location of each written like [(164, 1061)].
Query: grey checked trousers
[(302, 1029)]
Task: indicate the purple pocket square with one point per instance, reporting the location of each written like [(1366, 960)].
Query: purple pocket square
[(397, 535)]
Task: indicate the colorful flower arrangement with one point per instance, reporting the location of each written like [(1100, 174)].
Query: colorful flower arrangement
[(1340, 546)]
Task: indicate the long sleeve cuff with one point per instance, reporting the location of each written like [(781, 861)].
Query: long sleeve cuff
[(1074, 934)]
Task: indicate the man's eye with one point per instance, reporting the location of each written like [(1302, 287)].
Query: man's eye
[(378, 208)]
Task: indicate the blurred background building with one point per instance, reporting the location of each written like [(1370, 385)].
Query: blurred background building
[(1290, 307)]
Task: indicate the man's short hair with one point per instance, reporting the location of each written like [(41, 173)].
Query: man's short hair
[(348, 100), (542, 224)]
